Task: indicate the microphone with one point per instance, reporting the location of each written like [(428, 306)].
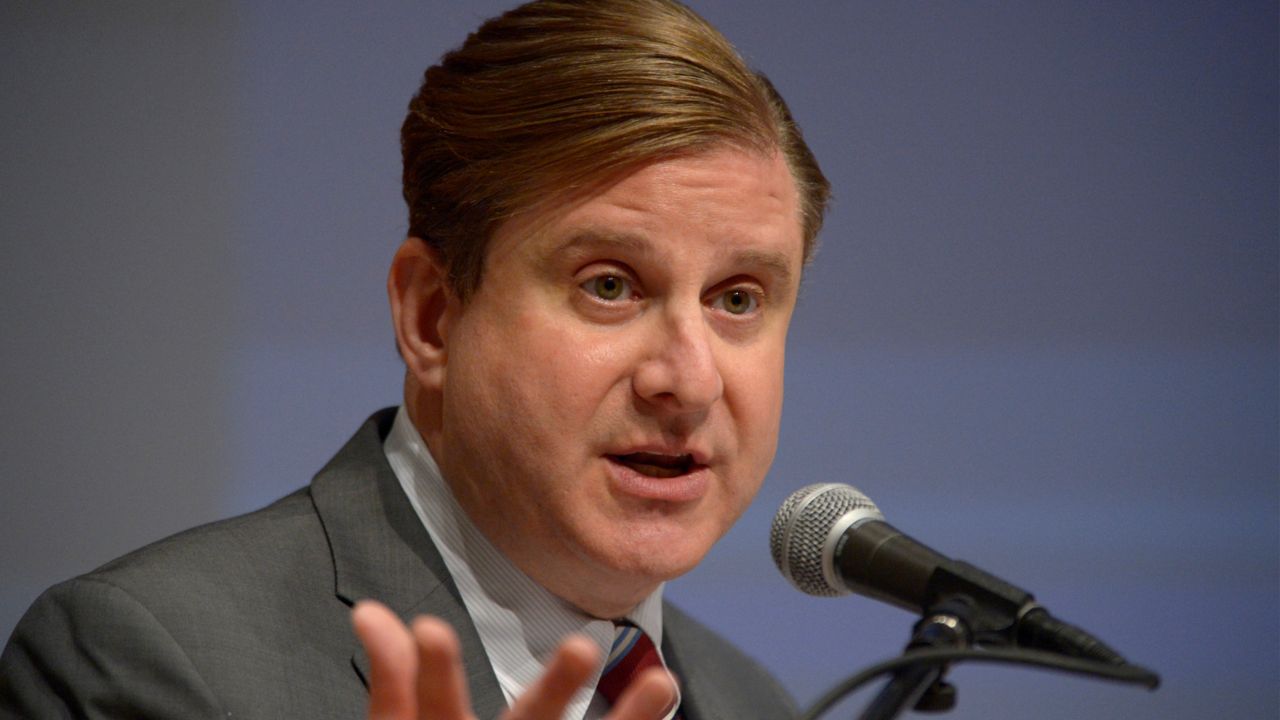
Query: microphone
[(829, 539)]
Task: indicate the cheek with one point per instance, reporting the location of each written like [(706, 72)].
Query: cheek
[(755, 384), (535, 379), (754, 398)]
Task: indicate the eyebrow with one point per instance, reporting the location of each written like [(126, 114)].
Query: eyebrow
[(591, 239), (775, 262)]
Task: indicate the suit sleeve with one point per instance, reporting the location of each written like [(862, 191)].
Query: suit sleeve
[(88, 649)]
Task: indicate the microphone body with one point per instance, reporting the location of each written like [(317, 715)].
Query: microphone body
[(830, 539)]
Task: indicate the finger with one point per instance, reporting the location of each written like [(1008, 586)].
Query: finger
[(393, 664), (649, 697), (442, 681), (572, 664)]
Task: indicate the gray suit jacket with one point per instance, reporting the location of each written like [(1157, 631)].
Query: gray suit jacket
[(249, 617)]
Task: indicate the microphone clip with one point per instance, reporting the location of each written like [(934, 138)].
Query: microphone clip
[(945, 625)]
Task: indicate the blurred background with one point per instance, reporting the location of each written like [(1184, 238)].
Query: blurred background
[(1041, 332)]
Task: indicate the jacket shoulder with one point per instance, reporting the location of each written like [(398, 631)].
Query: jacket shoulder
[(232, 618), (87, 648), (220, 553)]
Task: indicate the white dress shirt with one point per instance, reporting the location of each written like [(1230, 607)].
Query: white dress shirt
[(519, 622)]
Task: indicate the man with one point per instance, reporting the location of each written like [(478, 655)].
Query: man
[(609, 215)]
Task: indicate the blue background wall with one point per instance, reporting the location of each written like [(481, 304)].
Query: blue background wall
[(1041, 332)]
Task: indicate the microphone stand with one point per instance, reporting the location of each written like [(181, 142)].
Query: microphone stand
[(945, 625)]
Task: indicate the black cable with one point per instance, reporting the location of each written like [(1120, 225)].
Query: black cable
[(1128, 674)]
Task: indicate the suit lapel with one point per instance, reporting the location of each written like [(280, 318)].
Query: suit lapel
[(690, 653), (382, 552), (699, 698)]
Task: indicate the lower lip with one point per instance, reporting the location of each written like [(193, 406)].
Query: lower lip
[(679, 489)]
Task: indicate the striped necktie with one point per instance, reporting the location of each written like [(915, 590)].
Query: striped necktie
[(632, 653)]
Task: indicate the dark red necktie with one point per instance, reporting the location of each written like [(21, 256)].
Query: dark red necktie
[(632, 653)]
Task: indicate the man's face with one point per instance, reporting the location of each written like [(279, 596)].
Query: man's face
[(612, 390)]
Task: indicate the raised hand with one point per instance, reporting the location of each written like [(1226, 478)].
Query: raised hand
[(417, 674)]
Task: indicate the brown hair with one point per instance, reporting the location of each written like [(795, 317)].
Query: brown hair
[(558, 94)]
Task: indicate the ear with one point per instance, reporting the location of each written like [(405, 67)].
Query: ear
[(421, 301)]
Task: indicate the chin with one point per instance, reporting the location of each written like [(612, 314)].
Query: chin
[(659, 556)]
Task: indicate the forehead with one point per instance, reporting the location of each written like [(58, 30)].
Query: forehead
[(725, 199)]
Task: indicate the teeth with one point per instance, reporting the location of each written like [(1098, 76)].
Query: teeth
[(657, 465), (655, 470)]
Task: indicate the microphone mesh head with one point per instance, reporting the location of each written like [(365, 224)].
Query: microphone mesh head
[(801, 529)]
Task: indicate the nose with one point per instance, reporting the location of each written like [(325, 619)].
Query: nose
[(680, 374)]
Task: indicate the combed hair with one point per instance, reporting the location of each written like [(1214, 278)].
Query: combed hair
[(556, 95)]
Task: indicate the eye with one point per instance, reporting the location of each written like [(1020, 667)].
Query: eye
[(738, 301), (608, 287)]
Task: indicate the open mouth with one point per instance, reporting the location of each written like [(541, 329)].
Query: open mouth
[(656, 465)]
